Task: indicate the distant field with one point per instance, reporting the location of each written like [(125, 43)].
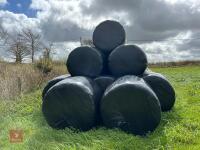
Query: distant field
[(179, 128)]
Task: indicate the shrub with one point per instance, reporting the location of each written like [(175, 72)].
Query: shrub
[(44, 65)]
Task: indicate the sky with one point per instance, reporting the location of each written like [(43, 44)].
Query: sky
[(19, 6), (167, 30)]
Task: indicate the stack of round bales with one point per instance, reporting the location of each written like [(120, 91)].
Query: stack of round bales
[(108, 84)]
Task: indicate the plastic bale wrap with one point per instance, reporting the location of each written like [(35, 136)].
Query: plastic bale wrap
[(127, 60), (163, 89), (52, 83), (105, 71), (108, 35), (130, 104), (85, 61), (104, 81), (72, 102)]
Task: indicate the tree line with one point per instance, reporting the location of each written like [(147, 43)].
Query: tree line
[(24, 45)]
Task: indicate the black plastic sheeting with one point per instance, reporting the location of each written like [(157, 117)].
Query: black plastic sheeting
[(52, 83), (127, 60), (72, 102), (163, 89), (130, 104), (104, 81), (108, 35), (105, 70), (85, 61)]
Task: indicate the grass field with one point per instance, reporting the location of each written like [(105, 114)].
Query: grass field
[(179, 128)]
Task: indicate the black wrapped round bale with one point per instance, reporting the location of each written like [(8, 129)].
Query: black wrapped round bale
[(131, 105), (108, 35), (127, 60), (71, 102), (104, 81), (163, 89), (85, 61), (52, 83)]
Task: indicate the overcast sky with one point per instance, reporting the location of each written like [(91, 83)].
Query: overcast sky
[(167, 30)]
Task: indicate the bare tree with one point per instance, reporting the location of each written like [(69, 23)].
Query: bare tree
[(86, 42), (3, 36), (48, 51), (18, 49), (32, 40)]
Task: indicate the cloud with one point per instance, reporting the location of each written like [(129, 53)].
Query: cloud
[(143, 20), (158, 26), (152, 19), (62, 49), (19, 5), (15, 22), (3, 2), (66, 20), (62, 20), (157, 20)]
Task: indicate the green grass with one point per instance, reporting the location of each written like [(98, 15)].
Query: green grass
[(179, 128)]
